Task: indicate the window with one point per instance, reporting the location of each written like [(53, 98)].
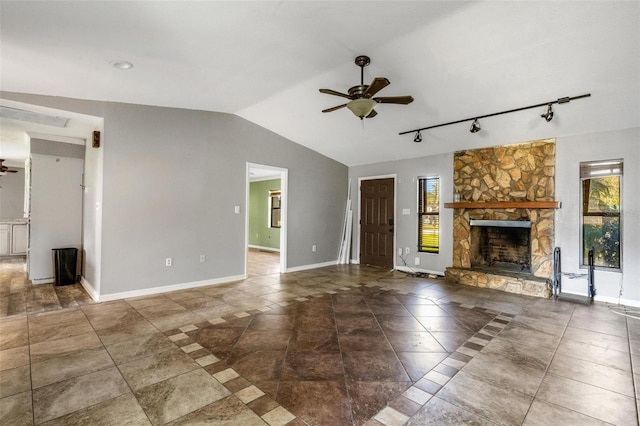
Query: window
[(429, 214), (274, 209), (601, 226)]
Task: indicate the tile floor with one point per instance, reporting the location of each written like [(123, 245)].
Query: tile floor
[(340, 345), (18, 296)]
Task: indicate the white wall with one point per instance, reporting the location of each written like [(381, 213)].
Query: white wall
[(92, 216), (56, 211), (570, 151)]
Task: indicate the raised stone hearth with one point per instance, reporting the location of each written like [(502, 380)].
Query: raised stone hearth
[(531, 286), (513, 173)]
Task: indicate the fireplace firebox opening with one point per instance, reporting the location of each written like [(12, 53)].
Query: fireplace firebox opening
[(501, 245)]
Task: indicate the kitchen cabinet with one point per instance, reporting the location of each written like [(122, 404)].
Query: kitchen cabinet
[(19, 239), (5, 239), (13, 238)]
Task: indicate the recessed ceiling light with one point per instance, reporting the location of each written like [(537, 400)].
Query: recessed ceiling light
[(122, 65)]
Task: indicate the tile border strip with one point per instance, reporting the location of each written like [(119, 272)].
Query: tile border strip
[(398, 413)]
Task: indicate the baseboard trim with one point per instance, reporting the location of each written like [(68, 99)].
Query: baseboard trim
[(90, 289), (277, 250), (43, 280), (609, 299), (617, 301), (314, 266), (168, 288)]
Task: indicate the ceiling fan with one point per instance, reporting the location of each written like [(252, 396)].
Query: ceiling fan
[(362, 102), (4, 169)]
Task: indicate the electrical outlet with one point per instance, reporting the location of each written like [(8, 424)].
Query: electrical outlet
[(168, 261), (406, 250), (400, 251), (313, 248), (203, 258), (416, 261)]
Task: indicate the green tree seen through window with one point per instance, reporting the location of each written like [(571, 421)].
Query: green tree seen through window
[(601, 215)]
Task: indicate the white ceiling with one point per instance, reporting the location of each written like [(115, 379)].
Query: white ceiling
[(266, 60)]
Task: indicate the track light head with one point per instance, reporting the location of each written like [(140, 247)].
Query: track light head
[(475, 126), (548, 116), (418, 137)]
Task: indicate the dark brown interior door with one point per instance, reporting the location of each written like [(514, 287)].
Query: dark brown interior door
[(376, 222)]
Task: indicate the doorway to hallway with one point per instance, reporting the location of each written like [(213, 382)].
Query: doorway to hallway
[(266, 220)]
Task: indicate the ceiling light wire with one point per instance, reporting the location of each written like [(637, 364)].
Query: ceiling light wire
[(564, 100)]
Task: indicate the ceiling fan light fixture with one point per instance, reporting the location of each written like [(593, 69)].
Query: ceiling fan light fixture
[(475, 126), (362, 107)]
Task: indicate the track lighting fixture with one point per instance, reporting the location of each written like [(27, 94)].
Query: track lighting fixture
[(475, 126), (549, 114)]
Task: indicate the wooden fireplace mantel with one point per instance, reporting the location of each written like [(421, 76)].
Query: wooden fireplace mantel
[(505, 205)]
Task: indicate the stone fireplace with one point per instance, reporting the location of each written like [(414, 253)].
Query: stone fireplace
[(504, 222)]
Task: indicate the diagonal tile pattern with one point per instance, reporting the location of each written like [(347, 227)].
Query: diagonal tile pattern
[(337, 345)]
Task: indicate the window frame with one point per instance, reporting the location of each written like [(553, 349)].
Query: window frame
[(275, 193), (593, 170), (422, 183)]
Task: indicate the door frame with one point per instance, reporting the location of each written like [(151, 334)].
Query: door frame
[(284, 196), (395, 204)]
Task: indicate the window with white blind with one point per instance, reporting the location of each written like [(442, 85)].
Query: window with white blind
[(600, 216), (429, 214)]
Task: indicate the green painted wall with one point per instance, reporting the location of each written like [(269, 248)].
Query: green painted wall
[(260, 234)]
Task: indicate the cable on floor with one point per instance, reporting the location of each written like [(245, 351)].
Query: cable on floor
[(625, 311)]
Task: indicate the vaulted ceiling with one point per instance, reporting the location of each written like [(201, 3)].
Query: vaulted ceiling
[(266, 60)]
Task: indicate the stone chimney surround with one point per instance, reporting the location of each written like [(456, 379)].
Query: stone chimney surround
[(510, 183)]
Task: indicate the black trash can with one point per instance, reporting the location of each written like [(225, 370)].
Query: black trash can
[(65, 260)]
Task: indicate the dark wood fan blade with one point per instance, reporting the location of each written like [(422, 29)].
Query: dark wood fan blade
[(333, 92), (10, 171), (403, 100), (372, 114), (334, 108), (376, 85)]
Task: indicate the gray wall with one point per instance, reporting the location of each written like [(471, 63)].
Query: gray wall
[(406, 228), (570, 151), (171, 179), (12, 195)]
